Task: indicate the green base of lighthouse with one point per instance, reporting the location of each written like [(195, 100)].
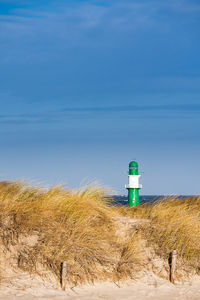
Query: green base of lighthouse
[(133, 197)]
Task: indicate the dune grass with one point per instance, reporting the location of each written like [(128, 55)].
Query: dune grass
[(173, 224), (72, 226), (47, 227)]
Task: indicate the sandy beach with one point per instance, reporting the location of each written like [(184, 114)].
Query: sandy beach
[(149, 287)]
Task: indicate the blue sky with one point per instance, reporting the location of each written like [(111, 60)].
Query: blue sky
[(87, 86)]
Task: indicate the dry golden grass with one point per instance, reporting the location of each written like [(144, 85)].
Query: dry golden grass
[(66, 225), (47, 227), (173, 224)]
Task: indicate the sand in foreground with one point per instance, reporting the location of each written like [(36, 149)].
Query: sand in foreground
[(150, 287)]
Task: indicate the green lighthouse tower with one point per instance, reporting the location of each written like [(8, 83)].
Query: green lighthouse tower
[(133, 184)]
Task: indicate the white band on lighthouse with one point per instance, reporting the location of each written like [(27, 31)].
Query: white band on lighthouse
[(133, 182)]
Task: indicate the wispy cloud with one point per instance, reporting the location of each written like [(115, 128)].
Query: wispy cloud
[(155, 108), (63, 25), (139, 111), (63, 19)]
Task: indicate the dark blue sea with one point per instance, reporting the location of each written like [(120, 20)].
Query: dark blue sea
[(123, 200)]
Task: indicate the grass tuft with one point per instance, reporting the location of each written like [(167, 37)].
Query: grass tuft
[(173, 224)]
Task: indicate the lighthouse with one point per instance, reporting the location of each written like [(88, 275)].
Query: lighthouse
[(133, 184)]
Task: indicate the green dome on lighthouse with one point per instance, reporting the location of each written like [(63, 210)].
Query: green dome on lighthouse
[(133, 168), (133, 164)]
